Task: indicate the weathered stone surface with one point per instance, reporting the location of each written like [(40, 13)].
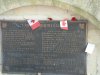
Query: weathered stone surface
[(88, 9)]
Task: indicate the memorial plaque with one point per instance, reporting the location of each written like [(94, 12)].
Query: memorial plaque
[(47, 49)]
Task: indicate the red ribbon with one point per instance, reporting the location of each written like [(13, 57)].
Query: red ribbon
[(50, 19), (73, 19)]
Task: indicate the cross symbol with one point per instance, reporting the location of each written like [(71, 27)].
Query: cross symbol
[(33, 21)]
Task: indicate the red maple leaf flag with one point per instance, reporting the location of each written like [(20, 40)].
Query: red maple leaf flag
[(64, 24), (34, 24)]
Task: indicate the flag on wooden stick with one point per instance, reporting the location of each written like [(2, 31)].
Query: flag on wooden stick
[(64, 24), (34, 24)]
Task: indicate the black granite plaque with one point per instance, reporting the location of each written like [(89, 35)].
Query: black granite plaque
[(47, 49)]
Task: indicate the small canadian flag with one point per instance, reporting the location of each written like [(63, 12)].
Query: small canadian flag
[(34, 23), (64, 24)]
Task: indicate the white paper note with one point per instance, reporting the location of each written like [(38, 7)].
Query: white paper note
[(90, 48), (39, 73)]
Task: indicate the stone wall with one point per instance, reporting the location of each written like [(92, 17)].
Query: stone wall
[(89, 9), (42, 9)]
